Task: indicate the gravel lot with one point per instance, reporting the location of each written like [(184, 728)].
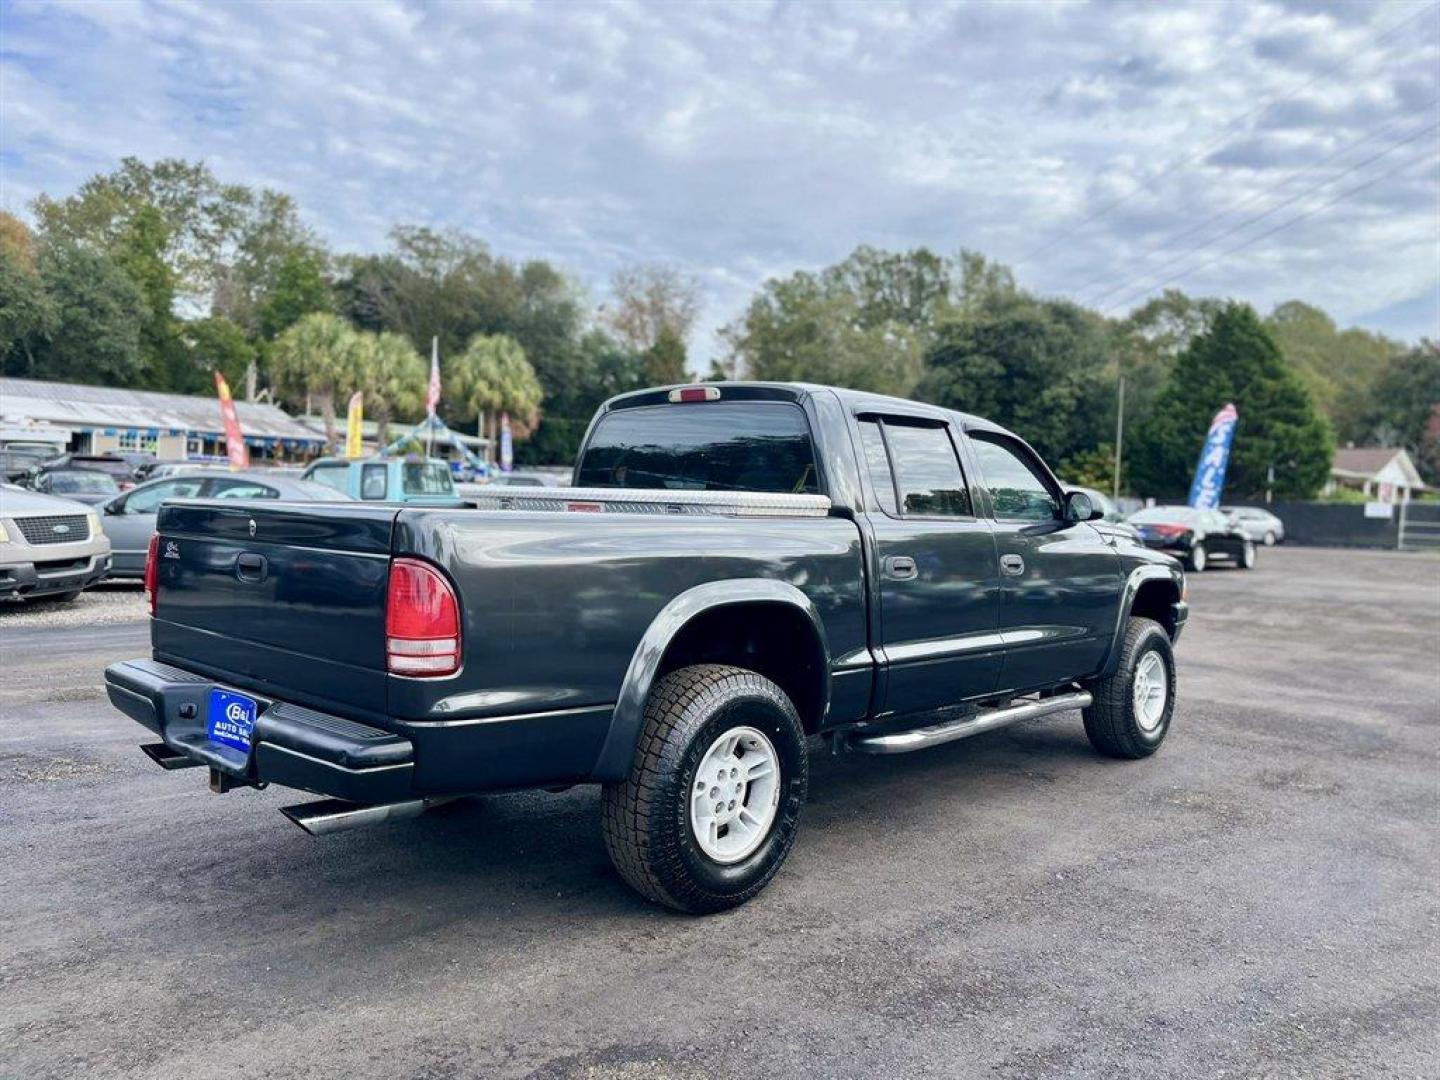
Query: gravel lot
[(103, 605), (1257, 900)]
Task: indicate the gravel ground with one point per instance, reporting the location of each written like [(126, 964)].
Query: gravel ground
[(102, 605), (1257, 900)]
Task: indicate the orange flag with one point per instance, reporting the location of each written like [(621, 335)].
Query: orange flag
[(234, 441)]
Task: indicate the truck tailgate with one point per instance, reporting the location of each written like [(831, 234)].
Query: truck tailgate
[(286, 599)]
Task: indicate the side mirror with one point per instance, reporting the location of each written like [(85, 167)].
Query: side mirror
[(1078, 507), (114, 506)]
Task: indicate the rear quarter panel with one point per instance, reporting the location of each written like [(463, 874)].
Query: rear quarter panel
[(554, 605)]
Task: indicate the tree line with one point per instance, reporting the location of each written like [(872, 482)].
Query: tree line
[(154, 275)]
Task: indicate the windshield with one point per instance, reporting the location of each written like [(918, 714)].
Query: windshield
[(83, 483), (725, 446), (1164, 514), (427, 478)]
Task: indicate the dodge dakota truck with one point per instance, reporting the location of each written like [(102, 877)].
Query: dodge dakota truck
[(737, 570)]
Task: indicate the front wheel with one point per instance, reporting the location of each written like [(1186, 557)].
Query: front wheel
[(711, 805), (1247, 556), (1197, 558), (1269, 539), (1131, 711)]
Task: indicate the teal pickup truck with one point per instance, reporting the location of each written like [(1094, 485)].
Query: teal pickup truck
[(419, 481)]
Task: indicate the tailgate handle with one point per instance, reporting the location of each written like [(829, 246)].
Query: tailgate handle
[(250, 566)]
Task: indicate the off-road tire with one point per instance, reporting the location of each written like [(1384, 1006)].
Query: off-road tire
[(647, 815), (1110, 721)]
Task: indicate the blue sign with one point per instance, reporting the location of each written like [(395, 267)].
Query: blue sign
[(1210, 472)]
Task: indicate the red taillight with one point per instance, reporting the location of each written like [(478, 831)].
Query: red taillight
[(152, 570), (422, 621)]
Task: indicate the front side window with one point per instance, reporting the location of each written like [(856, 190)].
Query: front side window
[(372, 482), (927, 471), (719, 446), (1017, 490)]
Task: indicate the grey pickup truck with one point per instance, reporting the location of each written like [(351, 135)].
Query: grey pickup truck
[(738, 568)]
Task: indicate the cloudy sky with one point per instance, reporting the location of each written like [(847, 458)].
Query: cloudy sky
[(1265, 150)]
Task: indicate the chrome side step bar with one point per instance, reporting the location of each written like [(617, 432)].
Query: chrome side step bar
[(902, 742), (335, 815)]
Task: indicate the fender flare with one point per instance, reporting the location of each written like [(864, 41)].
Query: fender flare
[(1141, 575), (618, 750)]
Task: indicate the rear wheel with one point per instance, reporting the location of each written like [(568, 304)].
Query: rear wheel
[(1197, 558), (713, 799), (1247, 556), (1131, 711), (1269, 539)]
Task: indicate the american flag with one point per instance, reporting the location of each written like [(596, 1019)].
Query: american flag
[(432, 397)]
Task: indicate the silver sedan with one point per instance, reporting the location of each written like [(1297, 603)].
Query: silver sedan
[(1257, 523)]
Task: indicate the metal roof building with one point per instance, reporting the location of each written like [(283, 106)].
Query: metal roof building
[(103, 418)]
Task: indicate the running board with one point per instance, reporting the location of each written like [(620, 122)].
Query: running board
[(335, 815), (902, 742)]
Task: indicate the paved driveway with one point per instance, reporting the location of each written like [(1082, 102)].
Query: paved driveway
[(1260, 899)]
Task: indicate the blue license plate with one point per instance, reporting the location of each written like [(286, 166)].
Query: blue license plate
[(231, 719)]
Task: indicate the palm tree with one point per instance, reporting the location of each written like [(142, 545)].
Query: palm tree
[(492, 376), (318, 357), (392, 375)]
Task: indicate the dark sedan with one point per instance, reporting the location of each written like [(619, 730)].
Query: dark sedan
[(79, 485), (1194, 536), (129, 520)]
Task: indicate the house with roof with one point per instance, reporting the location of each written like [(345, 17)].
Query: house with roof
[(173, 427), (1383, 473)]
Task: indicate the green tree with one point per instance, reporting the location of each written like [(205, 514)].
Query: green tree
[(27, 314), (217, 344), (584, 376), (98, 316), (1235, 360), (298, 288), (665, 360), (393, 378), (140, 252), (650, 302), (1400, 407), (316, 359), (493, 376), (1036, 366)]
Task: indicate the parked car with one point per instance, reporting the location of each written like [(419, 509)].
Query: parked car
[(129, 520), (1257, 523), (422, 481), (81, 485), (1115, 522), (1195, 536), (162, 469), (19, 459), (741, 567), (115, 466), (49, 547)]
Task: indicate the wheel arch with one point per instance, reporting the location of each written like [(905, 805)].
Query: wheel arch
[(1150, 591), (765, 625)]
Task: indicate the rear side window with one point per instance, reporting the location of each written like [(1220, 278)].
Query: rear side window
[(720, 446), (426, 478), (372, 481), (877, 464), (927, 471)]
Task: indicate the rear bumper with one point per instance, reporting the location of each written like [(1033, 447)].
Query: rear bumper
[(291, 746)]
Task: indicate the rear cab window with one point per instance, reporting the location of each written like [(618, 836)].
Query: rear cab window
[(426, 478), (762, 446)]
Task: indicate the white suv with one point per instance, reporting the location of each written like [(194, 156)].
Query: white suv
[(48, 546)]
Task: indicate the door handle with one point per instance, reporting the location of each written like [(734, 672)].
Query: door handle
[(1013, 565), (900, 567), (250, 566)]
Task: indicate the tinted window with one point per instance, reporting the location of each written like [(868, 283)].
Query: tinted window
[(331, 476), (422, 478), (81, 483), (243, 489), (147, 500), (372, 482), (877, 464), (1016, 489), (724, 446), (927, 471)]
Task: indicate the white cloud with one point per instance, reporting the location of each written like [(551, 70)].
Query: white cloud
[(747, 140)]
